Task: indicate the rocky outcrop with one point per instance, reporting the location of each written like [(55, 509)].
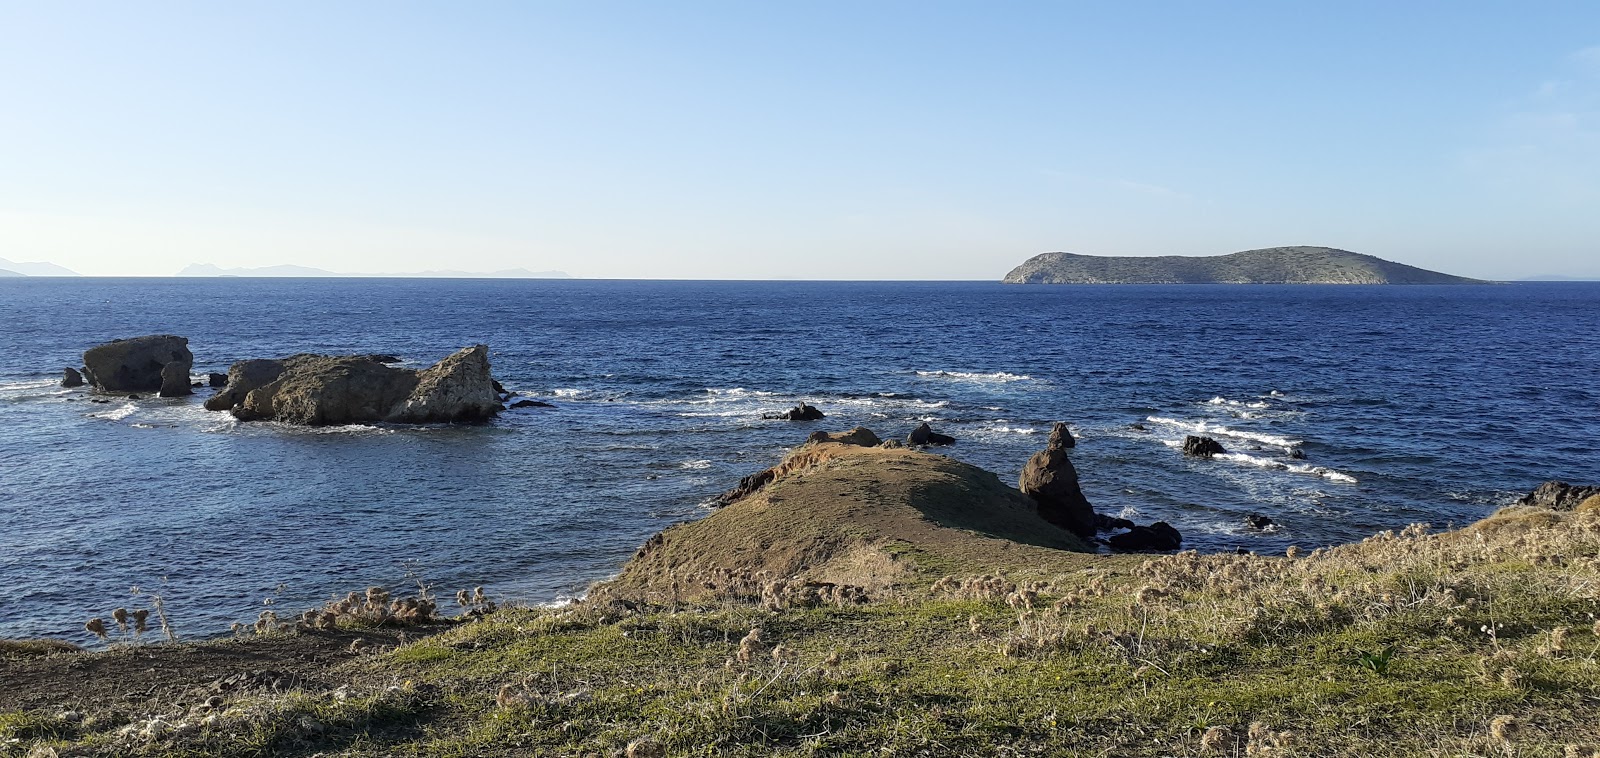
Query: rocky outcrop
[(136, 365), (925, 435), (1051, 481), (1273, 265), (71, 378), (1558, 496), (175, 379), (1260, 522), (1159, 537), (801, 412), (1201, 447), (860, 436), (531, 404), (217, 380), (319, 390)]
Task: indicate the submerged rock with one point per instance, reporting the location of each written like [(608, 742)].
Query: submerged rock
[(1201, 447), (1558, 496), (1259, 521), (1105, 523), (1051, 481), (136, 365), (801, 412), (217, 380), (925, 435), (71, 378), (531, 404), (1159, 536), (319, 390)]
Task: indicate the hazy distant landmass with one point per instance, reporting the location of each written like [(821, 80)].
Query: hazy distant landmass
[(14, 268), (1273, 265), (1558, 278), (206, 269)]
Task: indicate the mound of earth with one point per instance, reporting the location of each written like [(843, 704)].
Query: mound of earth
[(836, 515)]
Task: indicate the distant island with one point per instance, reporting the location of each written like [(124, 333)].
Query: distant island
[(206, 269), (1273, 265), (15, 268)]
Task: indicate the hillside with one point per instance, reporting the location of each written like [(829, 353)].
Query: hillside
[(1273, 265), (4, 272)]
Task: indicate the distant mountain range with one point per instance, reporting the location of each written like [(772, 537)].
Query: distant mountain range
[(13, 268), (206, 269), (1273, 265)]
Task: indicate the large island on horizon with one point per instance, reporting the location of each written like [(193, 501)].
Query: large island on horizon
[(1273, 265)]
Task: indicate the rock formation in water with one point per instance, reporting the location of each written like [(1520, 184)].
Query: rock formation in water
[(175, 379), (136, 365), (1051, 481), (320, 390), (801, 412), (1159, 537), (1201, 447), (71, 378), (1274, 265)]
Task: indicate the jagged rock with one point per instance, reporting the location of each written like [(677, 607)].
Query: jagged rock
[(1159, 536), (321, 390), (175, 379), (860, 436), (925, 435), (1052, 482), (1061, 436), (135, 365), (1201, 447), (801, 412), (1110, 523), (71, 378), (892, 444), (1259, 521), (1558, 496), (217, 380), (531, 404)]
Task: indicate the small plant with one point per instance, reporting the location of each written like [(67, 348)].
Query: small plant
[(1377, 663)]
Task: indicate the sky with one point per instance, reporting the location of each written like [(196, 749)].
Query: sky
[(814, 140)]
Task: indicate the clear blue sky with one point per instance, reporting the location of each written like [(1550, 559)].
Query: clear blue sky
[(917, 140)]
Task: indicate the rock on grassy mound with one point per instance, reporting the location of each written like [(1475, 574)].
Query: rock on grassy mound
[(834, 515), (319, 390)]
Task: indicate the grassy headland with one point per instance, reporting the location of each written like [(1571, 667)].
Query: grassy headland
[(876, 601)]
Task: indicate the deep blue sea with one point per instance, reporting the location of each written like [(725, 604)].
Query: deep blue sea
[(1433, 404)]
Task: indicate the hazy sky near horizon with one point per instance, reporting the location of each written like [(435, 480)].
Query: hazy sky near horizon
[(820, 140)]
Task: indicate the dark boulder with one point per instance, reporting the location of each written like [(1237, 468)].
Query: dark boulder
[(217, 380), (531, 404), (175, 379), (1259, 521), (1297, 454), (1052, 481), (1201, 447), (246, 376), (71, 378), (1061, 436), (1139, 427), (801, 412), (382, 358), (1558, 496), (925, 435), (1105, 523), (1159, 537), (136, 365)]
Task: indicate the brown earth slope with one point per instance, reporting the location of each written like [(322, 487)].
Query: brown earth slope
[(868, 517)]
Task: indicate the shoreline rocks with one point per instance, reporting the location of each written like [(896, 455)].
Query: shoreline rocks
[(925, 435), (139, 364), (71, 378), (1558, 495), (1051, 481), (1158, 537), (175, 379)]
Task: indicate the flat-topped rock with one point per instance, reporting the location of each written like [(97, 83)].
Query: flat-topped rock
[(135, 365)]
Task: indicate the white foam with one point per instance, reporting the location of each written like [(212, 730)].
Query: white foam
[(695, 465), (568, 392), (1324, 472), (1206, 427), (971, 376), (1297, 468), (738, 392), (1219, 400), (117, 414)]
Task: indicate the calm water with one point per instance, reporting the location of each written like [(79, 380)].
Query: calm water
[(1412, 404)]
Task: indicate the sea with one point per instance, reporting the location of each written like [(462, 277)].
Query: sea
[(1431, 404)]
